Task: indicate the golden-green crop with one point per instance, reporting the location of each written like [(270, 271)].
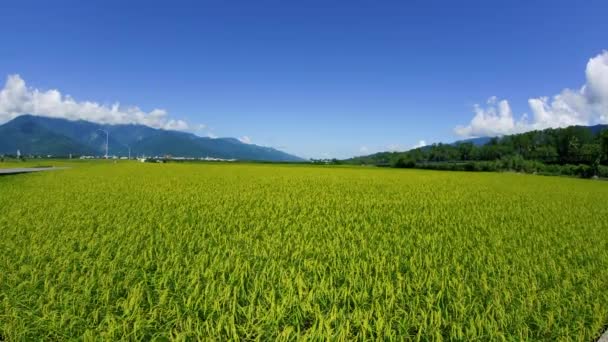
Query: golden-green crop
[(256, 252)]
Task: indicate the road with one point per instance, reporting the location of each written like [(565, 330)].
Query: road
[(14, 171), (604, 337)]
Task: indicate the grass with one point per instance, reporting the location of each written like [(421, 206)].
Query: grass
[(178, 252)]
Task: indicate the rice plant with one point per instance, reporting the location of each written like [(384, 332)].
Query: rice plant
[(263, 252)]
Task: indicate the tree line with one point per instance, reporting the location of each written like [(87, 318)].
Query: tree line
[(575, 150)]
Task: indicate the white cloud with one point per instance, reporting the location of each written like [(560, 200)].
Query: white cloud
[(585, 106), (363, 149), (245, 139), (420, 143), (176, 125), (495, 119), (16, 98)]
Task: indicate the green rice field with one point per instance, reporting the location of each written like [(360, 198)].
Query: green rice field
[(134, 251)]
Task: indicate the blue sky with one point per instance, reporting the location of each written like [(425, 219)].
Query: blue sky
[(314, 78)]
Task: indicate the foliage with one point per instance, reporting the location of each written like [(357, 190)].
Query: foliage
[(135, 251), (533, 151)]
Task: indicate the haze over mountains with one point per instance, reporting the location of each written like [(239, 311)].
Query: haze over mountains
[(38, 135)]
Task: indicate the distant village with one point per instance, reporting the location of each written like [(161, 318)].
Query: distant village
[(160, 159), (143, 159)]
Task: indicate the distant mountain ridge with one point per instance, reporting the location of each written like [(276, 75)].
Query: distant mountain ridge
[(39, 135), (480, 141)]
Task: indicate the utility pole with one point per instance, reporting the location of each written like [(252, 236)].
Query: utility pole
[(107, 139), (129, 147)]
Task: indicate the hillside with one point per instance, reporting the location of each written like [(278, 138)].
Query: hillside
[(38, 135), (576, 145)]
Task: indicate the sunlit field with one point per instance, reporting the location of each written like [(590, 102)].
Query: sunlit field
[(236, 251)]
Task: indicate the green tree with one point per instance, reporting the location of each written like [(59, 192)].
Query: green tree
[(604, 144), (405, 162), (589, 153), (573, 149), (465, 150)]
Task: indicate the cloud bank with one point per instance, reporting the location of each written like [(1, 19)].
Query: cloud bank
[(16, 98), (245, 139), (420, 143), (585, 106)]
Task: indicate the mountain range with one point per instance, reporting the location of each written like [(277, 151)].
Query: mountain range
[(39, 135)]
